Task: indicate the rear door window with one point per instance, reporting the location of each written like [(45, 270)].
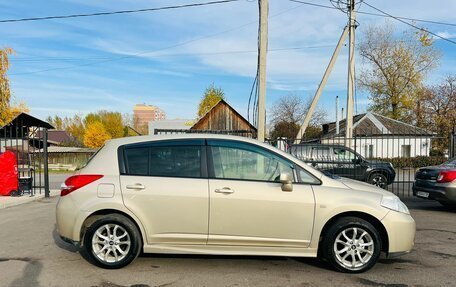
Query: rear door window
[(165, 159), (175, 161), (137, 160)]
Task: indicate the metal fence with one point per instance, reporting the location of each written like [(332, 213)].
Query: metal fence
[(452, 142), (29, 145), (386, 160)]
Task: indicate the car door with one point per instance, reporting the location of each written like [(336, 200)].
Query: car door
[(165, 185), (349, 163), (247, 204)]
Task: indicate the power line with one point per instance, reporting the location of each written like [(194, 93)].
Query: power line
[(157, 50), (171, 55), (410, 24), (116, 12), (376, 14)]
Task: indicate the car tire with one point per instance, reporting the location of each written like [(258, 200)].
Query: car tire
[(379, 180), (112, 241), (351, 245)]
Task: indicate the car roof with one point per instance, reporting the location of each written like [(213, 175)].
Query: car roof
[(148, 138)]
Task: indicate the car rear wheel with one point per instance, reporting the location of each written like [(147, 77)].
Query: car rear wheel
[(112, 241), (352, 245), (378, 179)]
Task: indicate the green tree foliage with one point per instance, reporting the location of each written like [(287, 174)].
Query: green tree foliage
[(397, 67), (211, 97)]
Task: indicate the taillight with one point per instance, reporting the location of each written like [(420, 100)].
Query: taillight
[(77, 181), (446, 176)]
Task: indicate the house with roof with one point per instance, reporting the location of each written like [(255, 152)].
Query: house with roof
[(222, 119), (377, 136)]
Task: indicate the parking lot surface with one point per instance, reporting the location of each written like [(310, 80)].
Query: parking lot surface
[(31, 254)]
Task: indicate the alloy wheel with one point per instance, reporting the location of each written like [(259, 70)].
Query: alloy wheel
[(111, 243), (353, 248)]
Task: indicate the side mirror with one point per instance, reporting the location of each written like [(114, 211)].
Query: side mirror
[(286, 180)]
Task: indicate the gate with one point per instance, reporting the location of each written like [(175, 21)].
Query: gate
[(452, 147), (26, 137)]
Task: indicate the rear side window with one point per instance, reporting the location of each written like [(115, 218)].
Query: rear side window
[(175, 161), (162, 160), (137, 161)]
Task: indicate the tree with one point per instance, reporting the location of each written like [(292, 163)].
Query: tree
[(5, 93), (95, 135), (436, 111), (397, 68), (211, 97), (288, 113)]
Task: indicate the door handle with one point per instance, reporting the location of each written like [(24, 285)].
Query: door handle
[(225, 190), (136, 186)]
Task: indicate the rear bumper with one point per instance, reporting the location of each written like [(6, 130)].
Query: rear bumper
[(401, 230), (445, 192)]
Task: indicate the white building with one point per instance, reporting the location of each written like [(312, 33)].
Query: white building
[(377, 136)]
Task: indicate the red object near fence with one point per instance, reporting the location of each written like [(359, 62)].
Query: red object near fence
[(8, 173)]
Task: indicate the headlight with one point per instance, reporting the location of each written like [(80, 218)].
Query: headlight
[(394, 203), (391, 165)]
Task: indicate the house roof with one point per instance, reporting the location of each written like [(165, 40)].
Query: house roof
[(216, 106), (373, 124), (57, 137), (26, 120), (177, 124)]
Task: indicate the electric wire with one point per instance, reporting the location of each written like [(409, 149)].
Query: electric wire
[(376, 14), (160, 49), (50, 59), (411, 25), (116, 12)]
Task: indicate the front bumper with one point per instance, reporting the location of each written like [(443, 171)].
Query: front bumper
[(401, 230), (445, 192)]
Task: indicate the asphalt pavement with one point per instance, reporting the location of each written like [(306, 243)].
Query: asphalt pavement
[(31, 254)]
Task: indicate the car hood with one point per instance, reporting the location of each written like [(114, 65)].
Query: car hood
[(362, 186)]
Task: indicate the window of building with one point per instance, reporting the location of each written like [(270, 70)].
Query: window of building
[(405, 150), (369, 150)]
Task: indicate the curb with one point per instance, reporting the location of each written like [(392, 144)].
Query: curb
[(8, 201)]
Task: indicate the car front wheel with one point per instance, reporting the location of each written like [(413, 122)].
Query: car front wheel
[(113, 241), (378, 179), (352, 245)]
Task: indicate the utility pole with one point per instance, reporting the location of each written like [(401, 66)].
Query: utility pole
[(322, 85), (351, 73), (264, 7)]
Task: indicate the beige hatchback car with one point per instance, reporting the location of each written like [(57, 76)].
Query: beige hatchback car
[(215, 194)]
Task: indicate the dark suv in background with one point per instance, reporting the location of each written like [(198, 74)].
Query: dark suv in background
[(342, 161)]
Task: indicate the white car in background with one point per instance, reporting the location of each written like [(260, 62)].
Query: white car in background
[(216, 194)]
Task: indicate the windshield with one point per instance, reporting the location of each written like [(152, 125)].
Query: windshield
[(451, 161)]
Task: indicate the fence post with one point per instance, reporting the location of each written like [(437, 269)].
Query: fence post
[(46, 169)]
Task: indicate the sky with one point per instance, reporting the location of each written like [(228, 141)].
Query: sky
[(168, 58)]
